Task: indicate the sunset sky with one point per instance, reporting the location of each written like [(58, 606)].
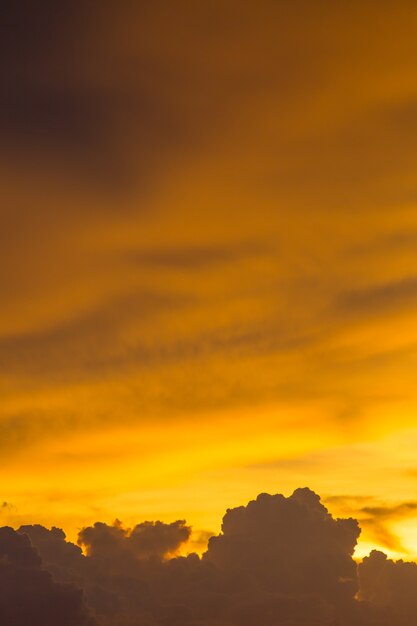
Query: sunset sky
[(208, 262)]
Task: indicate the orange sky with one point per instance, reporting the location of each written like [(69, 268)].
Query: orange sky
[(208, 263)]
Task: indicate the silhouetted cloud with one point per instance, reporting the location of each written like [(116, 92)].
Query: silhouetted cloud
[(276, 561), (390, 586), (290, 545), (28, 594), (146, 540), (53, 547)]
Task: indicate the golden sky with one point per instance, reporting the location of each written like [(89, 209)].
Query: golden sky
[(208, 262)]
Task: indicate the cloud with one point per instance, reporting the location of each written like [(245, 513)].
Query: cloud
[(61, 106), (290, 545), (390, 586), (122, 569), (114, 109), (143, 541), (277, 561), (196, 257), (28, 594), (378, 299), (89, 344), (47, 108), (53, 547)]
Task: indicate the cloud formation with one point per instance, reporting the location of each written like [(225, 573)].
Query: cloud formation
[(289, 545), (29, 596), (390, 586), (277, 561), (146, 540)]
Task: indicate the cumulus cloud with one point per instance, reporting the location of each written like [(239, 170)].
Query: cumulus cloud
[(123, 568), (59, 555), (29, 596), (145, 540), (390, 586), (289, 544), (278, 561)]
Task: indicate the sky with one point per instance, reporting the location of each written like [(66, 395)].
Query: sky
[(208, 262)]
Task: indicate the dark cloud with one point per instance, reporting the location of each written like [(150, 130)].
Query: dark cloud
[(143, 541), (28, 594), (109, 107), (123, 570), (378, 299), (46, 105), (37, 36), (290, 545), (391, 587), (53, 107), (196, 257), (277, 561), (53, 546)]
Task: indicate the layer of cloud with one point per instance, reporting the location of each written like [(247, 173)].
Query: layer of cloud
[(277, 561)]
